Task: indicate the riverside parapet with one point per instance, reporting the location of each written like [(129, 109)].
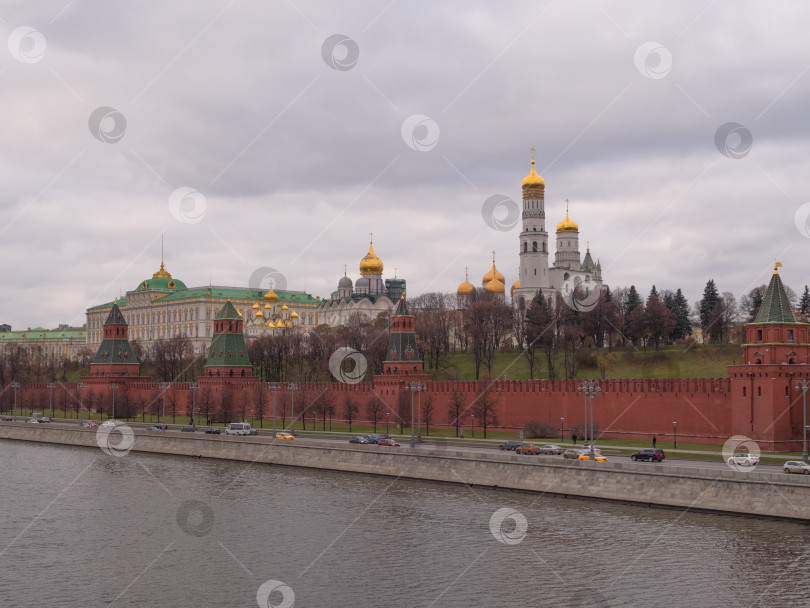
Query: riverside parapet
[(749, 493)]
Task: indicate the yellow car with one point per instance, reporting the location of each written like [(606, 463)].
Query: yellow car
[(587, 456), (284, 436)]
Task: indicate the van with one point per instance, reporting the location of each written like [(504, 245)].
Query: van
[(238, 428)]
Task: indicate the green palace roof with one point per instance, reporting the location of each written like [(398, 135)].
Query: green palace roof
[(215, 293), (775, 306), (161, 284), (44, 334)]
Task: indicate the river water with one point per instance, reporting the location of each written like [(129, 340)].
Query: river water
[(81, 528)]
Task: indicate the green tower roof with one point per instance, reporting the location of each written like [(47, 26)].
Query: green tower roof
[(228, 312), (776, 306)]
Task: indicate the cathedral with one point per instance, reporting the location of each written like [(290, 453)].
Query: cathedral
[(570, 271)]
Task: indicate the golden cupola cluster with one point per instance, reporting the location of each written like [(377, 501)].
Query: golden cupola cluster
[(371, 264), (567, 225), (271, 296), (493, 281)]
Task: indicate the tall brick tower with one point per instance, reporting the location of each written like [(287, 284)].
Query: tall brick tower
[(765, 404), (403, 357), (114, 357), (227, 355)]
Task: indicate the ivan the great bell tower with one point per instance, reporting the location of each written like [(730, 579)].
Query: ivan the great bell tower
[(533, 240)]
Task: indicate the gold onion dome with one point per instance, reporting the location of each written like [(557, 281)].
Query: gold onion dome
[(492, 275), (293, 315), (267, 307), (259, 314), (371, 264), (162, 273), (285, 307), (271, 296), (567, 225), (495, 286), (255, 306), (515, 285), (466, 288), (533, 181)]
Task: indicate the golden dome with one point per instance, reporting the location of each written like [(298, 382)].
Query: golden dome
[(162, 273), (567, 225), (493, 274), (515, 285), (284, 307), (256, 306), (271, 296), (466, 288), (293, 315), (259, 314), (533, 181), (267, 307), (495, 286), (371, 264)]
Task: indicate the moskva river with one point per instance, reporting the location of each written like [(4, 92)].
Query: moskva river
[(82, 528)]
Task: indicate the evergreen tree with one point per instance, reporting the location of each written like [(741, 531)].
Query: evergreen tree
[(707, 306), (804, 302), (633, 300), (680, 307), (653, 292), (609, 296)]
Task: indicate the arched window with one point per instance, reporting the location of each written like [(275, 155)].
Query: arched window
[(525, 247), (534, 246), (758, 362)]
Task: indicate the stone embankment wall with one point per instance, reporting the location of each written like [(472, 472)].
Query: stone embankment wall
[(761, 494)]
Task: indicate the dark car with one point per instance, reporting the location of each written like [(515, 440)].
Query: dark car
[(387, 441), (650, 454), (8, 419), (509, 445), (157, 427), (254, 431), (212, 430), (43, 419), (188, 429), (360, 440), (372, 438)]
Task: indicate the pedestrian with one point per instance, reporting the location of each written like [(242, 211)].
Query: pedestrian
[(654, 440), (574, 437)]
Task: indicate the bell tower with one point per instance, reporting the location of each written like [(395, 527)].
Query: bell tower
[(533, 237)]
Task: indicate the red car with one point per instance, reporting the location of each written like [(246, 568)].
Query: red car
[(388, 441), (527, 449), (8, 419)]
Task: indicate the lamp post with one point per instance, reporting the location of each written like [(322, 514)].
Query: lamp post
[(164, 387), (410, 387), (419, 387), (589, 388), (273, 387), (473, 425), (331, 412), (51, 386), (15, 386), (193, 387), (387, 420), (81, 386), (562, 428), (675, 434), (292, 388), (113, 386), (803, 386)]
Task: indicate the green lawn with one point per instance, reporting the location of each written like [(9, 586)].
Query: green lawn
[(705, 361)]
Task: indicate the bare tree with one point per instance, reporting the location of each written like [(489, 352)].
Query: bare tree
[(485, 405), (456, 409), (374, 408), (428, 410), (350, 409)]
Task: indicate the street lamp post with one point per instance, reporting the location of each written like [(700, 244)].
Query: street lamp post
[(164, 387), (562, 428), (15, 386), (675, 434), (419, 387), (331, 411), (51, 386), (113, 386), (193, 388), (410, 386), (292, 388), (81, 386), (473, 425), (591, 389), (387, 420), (273, 387), (803, 386)]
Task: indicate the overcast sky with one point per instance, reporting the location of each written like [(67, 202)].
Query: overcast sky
[(300, 127)]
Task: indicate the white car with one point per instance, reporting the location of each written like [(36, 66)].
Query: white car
[(238, 428), (33, 420), (109, 423), (796, 466), (747, 460)]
